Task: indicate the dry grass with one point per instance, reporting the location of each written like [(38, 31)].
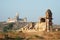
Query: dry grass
[(34, 36)]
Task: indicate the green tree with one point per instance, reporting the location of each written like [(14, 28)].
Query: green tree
[(10, 25), (5, 29)]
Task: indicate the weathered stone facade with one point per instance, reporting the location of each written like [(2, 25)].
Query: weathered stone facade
[(44, 23), (16, 19)]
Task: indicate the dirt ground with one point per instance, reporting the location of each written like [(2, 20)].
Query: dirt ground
[(31, 35)]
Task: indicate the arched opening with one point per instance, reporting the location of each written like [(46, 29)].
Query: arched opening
[(42, 20)]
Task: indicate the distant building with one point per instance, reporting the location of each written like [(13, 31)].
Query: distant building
[(16, 19)]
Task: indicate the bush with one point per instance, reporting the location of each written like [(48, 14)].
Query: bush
[(40, 37), (10, 25), (5, 29), (18, 38)]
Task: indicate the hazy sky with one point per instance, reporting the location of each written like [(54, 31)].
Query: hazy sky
[(32, 9)]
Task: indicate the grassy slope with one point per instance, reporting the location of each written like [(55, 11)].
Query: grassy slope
[(34, 36)]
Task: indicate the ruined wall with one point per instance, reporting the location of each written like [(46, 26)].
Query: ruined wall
[(49, 20)]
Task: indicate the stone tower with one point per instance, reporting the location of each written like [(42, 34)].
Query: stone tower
[(17, 15), (48, 20)]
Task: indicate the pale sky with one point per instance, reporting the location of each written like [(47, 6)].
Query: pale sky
[(32, 9)]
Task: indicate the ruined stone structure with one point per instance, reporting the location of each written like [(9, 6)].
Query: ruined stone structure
[(49, 20), (44, 23), (16, 19)]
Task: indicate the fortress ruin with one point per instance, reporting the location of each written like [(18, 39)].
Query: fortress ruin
[(44, 23)]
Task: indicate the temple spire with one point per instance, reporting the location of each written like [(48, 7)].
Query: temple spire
[(17, 15), (48, 20)]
